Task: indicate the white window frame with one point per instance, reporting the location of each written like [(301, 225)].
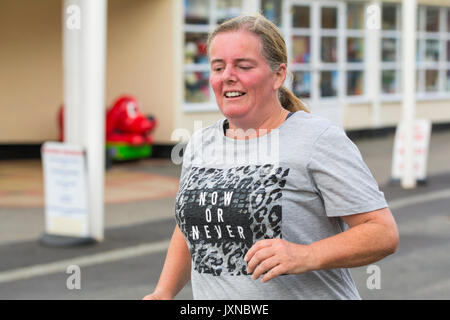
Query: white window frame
[(357, 66), (211, 104), (442, 65), (315, 66), (392, 65)]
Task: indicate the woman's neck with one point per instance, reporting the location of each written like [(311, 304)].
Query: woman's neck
[(252, 128)]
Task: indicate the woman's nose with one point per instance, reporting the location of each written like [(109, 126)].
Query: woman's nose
[(228, 75)]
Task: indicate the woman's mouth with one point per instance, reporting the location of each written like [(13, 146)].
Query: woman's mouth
[(233, 94)]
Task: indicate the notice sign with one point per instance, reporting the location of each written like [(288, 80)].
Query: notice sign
[(66, 205), (421, 140)]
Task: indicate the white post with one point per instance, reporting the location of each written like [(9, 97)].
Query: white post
[(84, 97), (71, 72), (409, 13)]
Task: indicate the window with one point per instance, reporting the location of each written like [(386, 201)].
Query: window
[(329, 18), (388, 81), (448, 81), (355, 43), (328, 35), (197, 12), (201, 16), (328, 52), (431, 19), (271, 9), (301, 84), (433, 50), (328, 83), (390, 49), (301, 17), (300, 63), (227, 9), (447, 42), (389, 16), (327, 47), (355, 16)]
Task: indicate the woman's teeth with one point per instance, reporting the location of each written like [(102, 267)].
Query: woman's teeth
[(233, 94)]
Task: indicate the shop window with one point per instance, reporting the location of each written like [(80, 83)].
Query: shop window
[(328, 51), (196, 12), (432, 20), (301, 17), (355, 83), (301, 49), (301, 55), (195, 48), (431, 80), (389, 81), (227, 9), (388, 50), (329, 18), (389, 16), (448, 80), (200, 17), (301, 84), (433, 50), (197, 87), (355, 16), (448, 20), (448, 50), (355, 49), (328, 83), (271, 9)]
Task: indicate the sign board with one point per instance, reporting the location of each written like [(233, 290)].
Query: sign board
[(66, 202), (421, 141)]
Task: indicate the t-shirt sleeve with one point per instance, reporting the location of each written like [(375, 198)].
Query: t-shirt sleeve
[(340, 176)]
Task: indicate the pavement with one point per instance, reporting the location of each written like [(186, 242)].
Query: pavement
[(139, 202)]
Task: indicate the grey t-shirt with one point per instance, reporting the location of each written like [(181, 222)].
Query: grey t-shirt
[(293, 183)]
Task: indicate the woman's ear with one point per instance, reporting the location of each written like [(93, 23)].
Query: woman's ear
[(280, 76)]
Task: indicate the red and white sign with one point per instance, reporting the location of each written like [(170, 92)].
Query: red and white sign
[(421, 141)]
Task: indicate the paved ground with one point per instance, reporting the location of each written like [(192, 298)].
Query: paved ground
[(138, 225)]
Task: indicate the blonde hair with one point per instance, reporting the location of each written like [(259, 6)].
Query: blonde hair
[(273, 50)]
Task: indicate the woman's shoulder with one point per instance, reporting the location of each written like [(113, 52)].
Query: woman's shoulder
[(309, 125)]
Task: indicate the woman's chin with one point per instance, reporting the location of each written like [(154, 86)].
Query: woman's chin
[(233, 111)]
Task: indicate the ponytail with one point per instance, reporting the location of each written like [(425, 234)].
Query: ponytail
[(289, 101)]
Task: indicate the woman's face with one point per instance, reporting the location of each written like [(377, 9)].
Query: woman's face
[(242, 81)]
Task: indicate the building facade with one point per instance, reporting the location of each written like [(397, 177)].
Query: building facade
[(344, 60)]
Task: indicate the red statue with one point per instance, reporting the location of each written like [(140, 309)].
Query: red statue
[(125, 123)]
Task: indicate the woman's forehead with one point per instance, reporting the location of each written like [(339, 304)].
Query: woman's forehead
[(236, 45)]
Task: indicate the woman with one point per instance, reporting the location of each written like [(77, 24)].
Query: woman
[(295, 220)]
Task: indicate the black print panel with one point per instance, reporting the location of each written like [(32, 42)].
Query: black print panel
[(222, 213), (218, 216)]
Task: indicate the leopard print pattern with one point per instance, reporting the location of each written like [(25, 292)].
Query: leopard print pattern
[(222, 213)]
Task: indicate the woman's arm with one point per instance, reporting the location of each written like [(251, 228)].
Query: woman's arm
[(371, 236), (176, 271)]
